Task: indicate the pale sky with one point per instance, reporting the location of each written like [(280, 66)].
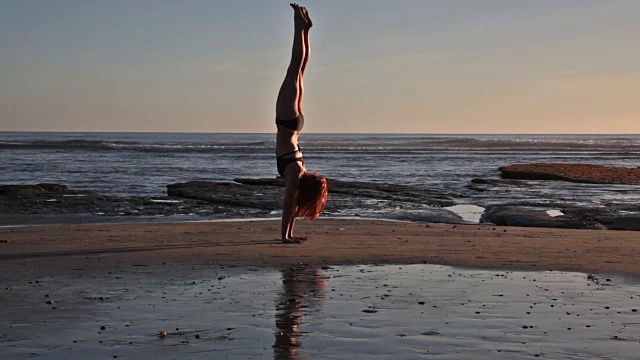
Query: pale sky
[(405, 66)]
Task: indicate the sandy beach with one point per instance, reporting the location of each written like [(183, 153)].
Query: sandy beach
[(367, 288), (52, 249)]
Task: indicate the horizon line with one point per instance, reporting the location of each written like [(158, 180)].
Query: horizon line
[(316, 133)]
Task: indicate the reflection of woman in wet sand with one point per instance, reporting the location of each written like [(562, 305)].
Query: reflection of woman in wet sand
[(303, 290), (305, 192)]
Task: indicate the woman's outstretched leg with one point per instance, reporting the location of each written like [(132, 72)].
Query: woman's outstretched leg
[(288, 102), (307, 54)]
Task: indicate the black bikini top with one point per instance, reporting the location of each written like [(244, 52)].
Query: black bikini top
[(294, 124)]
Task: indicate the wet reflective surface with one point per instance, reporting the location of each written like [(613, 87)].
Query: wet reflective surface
[(303, 291), (304, 312)]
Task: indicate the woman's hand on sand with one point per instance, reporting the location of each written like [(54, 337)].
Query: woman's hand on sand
[(295, 240)]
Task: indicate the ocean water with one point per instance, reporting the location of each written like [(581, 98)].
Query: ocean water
[(144, 163)]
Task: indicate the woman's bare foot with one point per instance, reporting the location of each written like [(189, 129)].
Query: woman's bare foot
[(305, 13), (299, 20)]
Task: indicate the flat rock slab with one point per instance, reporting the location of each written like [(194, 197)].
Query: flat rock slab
[(48, 201), (580, 173), (346, 198), (246, 198), (595, 218), (509, 215), (42, 188), (612, 218), (412, 194)]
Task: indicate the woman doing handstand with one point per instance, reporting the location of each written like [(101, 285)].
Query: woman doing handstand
[(305, 193)]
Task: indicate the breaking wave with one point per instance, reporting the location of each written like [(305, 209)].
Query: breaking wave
[(370, 143)]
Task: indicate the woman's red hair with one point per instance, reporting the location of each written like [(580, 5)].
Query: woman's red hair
[(312, 195)]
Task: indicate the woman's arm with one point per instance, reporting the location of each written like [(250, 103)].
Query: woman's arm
[(292, 176)]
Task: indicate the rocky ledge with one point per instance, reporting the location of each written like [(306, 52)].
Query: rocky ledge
[(613, 217), (244, 198), (262, 198), (346, 198), (581, 173), (57, 199), (519, 203)]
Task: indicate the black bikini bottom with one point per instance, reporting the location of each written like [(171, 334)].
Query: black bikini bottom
[(283, 163)]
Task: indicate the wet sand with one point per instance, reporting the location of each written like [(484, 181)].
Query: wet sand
[(231, 290), (307, 312), (107, 247)]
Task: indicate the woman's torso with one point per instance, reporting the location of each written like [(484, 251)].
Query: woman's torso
[(287, 141)]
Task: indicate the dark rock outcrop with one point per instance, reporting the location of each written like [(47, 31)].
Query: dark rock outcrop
[(43, 188), (245, 198), (236, 195), (54, 200), (581, 173), (513, 215), (390, 192), (623, 222), (346, 198), (613, 217)]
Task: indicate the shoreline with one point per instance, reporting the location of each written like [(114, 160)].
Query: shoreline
[(51, 249)]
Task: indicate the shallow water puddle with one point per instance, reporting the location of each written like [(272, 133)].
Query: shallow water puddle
[(555, 213), (467, 212), (390, 312)]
